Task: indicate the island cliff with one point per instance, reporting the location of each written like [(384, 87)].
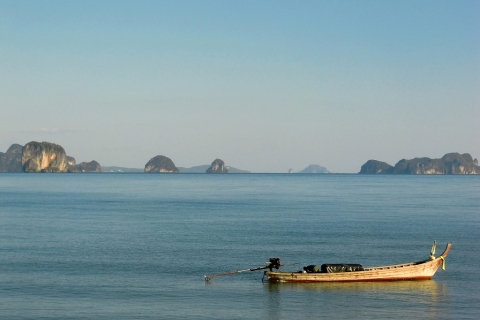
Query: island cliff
[(451, 163), (43, 157), (217, 166), (92, 166), (71, 162), (11, 161), (160, 164), (376, 167)]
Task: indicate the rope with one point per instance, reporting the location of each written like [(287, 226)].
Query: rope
[(443, 262)]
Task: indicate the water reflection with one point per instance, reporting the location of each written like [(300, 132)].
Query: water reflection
[(407, 299), (425, 287)]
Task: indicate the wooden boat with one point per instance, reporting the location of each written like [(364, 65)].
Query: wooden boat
[(422, 270)]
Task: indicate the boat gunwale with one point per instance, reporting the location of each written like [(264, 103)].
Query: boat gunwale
[(442, 256)]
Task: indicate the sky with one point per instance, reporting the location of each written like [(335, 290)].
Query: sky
[(263, 85)]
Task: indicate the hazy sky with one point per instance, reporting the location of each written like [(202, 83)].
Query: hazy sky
[(263, 85)]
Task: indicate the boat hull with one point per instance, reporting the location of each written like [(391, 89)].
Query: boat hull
[(423, 270)]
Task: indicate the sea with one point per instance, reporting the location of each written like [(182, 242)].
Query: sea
[(137, 246)]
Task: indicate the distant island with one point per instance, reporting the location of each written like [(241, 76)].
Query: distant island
[(50, 157), (313, 168), (160, 164), (195, 169), (11, 161), (451, 163), (217, 166), (204, 168), (42, 157)]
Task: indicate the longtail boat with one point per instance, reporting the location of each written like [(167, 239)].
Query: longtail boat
[(421, 270)]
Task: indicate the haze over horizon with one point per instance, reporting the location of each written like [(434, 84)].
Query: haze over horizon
[(263, 85)]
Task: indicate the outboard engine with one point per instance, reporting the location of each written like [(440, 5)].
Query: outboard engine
[(273, 263)]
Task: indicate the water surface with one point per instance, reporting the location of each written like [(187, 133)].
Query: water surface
[(136, 246)]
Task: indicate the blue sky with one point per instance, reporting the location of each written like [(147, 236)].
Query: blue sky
[(264, 85)]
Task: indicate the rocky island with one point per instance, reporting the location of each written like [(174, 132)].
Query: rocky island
[(42, 157), (160, 164), (203, 169), (217, 166), (71, 162), (314, 168), (451, 163), (376, 167), (11, 161), (92, 166)]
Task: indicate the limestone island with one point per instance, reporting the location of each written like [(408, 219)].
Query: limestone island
[(11, 161), (217, 166), (314, 168), (160, 164), (203, 169), (92, 166), (451, 163), (42, 157)]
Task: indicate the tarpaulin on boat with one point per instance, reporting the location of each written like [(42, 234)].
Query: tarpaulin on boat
[(311, 269), (333, 268)]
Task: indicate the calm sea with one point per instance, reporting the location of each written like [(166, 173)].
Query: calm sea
[(137, 246)]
